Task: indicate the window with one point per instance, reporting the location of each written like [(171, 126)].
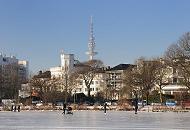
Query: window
[(80, 83), (4, 59), (92, 82), (174, 70), (174, 80)]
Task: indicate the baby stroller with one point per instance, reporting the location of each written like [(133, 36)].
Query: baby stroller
[(69, 110)]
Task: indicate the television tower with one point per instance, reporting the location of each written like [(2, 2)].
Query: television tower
[(91, 44)]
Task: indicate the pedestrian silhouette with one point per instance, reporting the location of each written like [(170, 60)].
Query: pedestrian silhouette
[(19, 108), (135, 101), (64, 108), (105, 107), (136, 105), (14, 108)]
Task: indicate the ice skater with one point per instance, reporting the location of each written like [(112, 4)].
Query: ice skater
[(14, 108), (64, 108), (135, 101), (18, 108), (136, 108), (105, 107), (136, 105)]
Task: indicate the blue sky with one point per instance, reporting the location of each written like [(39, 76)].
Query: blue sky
[(37, 30)]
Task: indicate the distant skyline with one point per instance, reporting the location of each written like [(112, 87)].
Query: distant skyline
[(124, 30)]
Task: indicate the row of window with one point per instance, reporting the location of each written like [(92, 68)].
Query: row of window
[(91, 89), (93, 82)]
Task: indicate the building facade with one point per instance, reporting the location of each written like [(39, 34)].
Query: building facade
[(171, 77), (67, 65), (115, 81), (23, 71), (97, 84), (12, 75)]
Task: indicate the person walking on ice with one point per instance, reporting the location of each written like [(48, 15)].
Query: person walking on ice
[(18, 108), (135, 102), (105, 107), (64, 108)]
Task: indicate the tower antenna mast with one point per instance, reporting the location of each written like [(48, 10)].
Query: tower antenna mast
[(91, 44)]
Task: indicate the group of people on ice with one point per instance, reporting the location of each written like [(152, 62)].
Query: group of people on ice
[(68, 110), (15, 108)]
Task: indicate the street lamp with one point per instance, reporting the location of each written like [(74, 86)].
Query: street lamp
[(74, 96)]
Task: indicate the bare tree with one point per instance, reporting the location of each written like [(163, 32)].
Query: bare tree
[(130, 83), (178, 57), (145, 76), (161, 75), (9, 81), (68, 81), (39, 85), (89, 71)]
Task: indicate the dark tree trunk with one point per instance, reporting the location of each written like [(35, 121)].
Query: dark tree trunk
[(88, 89)]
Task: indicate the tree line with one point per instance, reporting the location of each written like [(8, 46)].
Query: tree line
[(149, 73), (141, 78)]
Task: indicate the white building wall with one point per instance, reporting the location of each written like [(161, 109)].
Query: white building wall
[(67, 61), (96, 85), (67, 64), (23, 69), (56, 72)]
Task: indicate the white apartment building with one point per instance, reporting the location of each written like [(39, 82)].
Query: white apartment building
[(23, 70), (172, 79), (56, 72), (68, 65), (115, 80), (25, 91), (98, 84)]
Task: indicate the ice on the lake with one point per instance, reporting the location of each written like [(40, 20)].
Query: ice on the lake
[(94, 120)]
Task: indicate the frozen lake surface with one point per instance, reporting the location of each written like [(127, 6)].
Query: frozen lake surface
[(94, 120)]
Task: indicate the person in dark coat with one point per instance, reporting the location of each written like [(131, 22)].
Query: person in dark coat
[(64, 108), (135, 101), (19, 108), (136, 105), (105, 105)]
